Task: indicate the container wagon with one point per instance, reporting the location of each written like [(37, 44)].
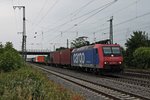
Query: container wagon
[(65, 57)]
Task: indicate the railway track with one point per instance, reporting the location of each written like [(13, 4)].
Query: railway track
[(108, 92), (138, 71), (131, 80), (134, 77), (139, 78), (137, 74)]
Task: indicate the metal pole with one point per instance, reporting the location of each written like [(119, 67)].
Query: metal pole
[(67, 43), (24, 32), (54, 47), (111, 30), (42, 40), (94, 38)]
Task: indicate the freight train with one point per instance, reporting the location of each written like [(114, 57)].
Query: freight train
[(96, 58)]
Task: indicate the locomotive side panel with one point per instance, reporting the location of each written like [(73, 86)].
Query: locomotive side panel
[(85, 58)]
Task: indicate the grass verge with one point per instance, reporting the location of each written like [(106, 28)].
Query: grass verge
[(29, 83)]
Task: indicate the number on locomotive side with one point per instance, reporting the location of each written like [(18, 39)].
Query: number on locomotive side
[(79, 58)]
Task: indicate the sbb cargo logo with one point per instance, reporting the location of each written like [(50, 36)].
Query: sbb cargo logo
[(78, 58)]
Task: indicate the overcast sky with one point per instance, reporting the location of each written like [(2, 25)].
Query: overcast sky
[(52, 22)]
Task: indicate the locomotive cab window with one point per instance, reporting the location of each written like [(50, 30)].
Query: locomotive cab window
[(111, 50), (107, 50), (116, 50)]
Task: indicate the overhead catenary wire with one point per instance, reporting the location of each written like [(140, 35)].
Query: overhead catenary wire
[(145, 14), (125, 29), (117, 11), (120, 10), (82, 8), (97, 12), (105, 6), (143, 26), (71, 14), (74, 13), (126, 21), (102, 8), (35, 25), (40, 11), (99, 9), (45, 15), (121, 40)]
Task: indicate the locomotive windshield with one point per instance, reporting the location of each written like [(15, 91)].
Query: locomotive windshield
[(107, 50), (116, 50), (111, 50)]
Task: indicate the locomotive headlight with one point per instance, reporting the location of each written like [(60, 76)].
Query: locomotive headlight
[(120, 62), (112, 55), (105, 63)]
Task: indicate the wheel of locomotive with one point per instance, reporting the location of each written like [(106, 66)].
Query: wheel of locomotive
[(88, 70), (96, 72)]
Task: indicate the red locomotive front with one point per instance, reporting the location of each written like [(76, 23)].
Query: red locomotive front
[(110, 57)]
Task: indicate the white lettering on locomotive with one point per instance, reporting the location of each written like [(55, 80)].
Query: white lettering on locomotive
[(78, 58)]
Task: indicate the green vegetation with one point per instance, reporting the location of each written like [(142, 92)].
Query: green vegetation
[(9, 58), (79, 42), (142, 57), (30, 84), (61, 48), (134, 55), (21, 82)]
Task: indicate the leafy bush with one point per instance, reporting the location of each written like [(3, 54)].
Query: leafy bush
[(142, 57), (9, 58)]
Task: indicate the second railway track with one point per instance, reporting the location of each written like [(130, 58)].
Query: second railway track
[(131, 80), (109, 92), (137, 74)]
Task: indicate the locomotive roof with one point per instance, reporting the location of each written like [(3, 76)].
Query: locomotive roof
[(83, 48), (93, 46)]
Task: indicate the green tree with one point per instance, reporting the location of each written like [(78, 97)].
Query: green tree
[(1, 48), (79, 42), (61, 48), (1, 45), (142, 57), (138, 39), (10, 58)]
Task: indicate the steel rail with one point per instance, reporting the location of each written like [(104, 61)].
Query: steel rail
[(98, 88)]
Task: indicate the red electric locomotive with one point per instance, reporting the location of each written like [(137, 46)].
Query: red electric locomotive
[(98, 57)]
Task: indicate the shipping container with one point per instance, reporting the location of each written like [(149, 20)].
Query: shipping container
[(65, 56), (56, 57), (40, 59)]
